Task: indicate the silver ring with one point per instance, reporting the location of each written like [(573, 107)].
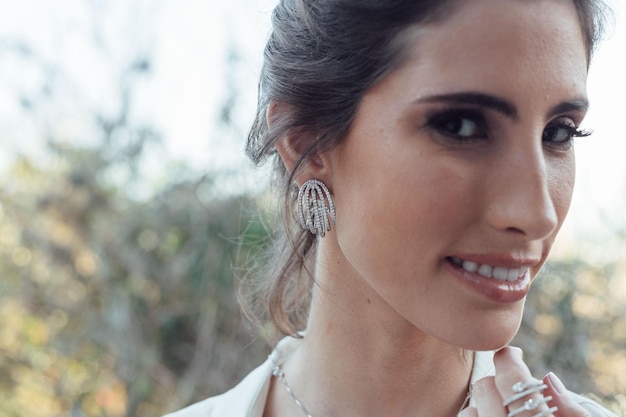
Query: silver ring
[(521, 386), (547, 412), (530, 405), (528, 388)]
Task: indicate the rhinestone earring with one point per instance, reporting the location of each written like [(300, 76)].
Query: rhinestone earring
[(315, 205)]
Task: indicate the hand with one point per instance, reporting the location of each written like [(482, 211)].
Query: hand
[(491, 392)]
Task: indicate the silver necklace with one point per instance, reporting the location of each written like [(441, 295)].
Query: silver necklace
[(278, 373)]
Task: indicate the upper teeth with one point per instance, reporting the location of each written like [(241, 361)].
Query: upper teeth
[(497, 272)]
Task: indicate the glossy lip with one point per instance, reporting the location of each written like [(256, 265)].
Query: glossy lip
[(493, 289)]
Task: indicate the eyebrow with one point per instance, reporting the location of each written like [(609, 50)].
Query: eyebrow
[(476, 99), (501, 105), (577, 105)]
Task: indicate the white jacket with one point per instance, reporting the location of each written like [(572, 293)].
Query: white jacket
[(247, 399)]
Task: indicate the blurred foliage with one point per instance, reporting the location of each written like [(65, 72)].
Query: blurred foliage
[(111, 306), (117, 263)]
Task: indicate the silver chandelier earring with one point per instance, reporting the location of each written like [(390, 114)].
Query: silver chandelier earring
[(316, 209)]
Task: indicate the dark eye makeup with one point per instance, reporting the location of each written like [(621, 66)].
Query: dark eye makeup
[(463, 125), (562, 132)]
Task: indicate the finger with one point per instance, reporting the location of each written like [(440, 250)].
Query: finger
[(510, 369), (522, 394), (487, 398), (566, 404)]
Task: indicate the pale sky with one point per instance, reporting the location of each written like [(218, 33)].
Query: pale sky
[(187, 41)]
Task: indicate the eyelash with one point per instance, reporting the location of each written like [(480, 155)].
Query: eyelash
[(444, 121), (572, 132)]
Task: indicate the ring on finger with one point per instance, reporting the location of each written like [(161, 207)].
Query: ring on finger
[(530, 405), (526, 389), (521, 386)]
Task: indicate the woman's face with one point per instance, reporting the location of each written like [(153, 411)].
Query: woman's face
[(458, 169)]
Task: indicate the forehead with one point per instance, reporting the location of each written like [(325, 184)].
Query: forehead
[(503, 22), (500, 43)]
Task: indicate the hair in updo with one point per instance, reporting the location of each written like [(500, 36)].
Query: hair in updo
[(322, 56)]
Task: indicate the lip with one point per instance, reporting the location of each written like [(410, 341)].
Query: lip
[(495, 290)]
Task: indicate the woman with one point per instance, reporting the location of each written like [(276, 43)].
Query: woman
[(431, 142)]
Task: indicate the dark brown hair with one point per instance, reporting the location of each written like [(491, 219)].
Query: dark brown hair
[(322, 56)]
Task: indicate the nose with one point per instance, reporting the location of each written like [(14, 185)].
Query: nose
[(522, 200)]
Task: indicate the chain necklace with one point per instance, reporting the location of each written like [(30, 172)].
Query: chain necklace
[(278, 373)]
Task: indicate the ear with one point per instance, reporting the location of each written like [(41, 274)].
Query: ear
[(295, 143)]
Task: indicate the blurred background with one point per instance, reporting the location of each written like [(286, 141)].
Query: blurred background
[(126, 206)]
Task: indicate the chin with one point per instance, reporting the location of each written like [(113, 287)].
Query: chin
[(492, 337), (485, 335), (492, 343)]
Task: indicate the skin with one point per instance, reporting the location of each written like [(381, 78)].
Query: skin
[(392, 322)]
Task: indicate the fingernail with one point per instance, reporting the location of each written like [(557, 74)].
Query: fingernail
[(556, 383)]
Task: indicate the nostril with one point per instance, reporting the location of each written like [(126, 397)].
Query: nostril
[(515, 230)]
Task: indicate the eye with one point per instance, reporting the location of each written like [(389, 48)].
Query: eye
[(462, 127), (458, 124), (561, 133)]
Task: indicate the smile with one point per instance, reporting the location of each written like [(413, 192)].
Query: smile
[(490, 271)]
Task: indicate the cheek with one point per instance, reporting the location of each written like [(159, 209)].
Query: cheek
[(396, 211), (562, 178)]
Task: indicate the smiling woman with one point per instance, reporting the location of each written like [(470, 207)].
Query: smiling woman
[(476, 181), (440, 134)]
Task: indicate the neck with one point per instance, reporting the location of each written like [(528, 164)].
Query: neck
[(360, 358)]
